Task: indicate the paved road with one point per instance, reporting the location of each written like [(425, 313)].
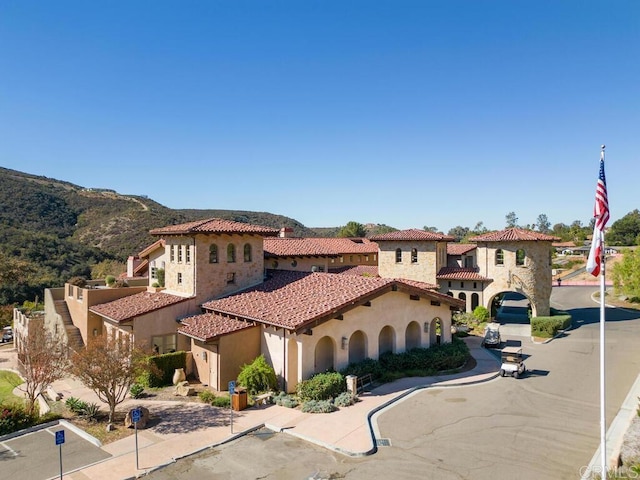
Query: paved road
[(544, 426)]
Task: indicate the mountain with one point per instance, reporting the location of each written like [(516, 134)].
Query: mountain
[(51, 230)]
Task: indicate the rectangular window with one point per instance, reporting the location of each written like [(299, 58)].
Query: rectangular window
[(187, 253), (164, 344), (461, 284), (179, 253), (475, 285), (171, 254), (341, 259), (351, 258), (154, 273), (179, 278), (449, 284)]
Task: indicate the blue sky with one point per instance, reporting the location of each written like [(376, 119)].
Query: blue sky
[(408, 113)]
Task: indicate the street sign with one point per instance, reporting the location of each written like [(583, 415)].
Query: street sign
[(232, 387), (136, 415), (59, 437)]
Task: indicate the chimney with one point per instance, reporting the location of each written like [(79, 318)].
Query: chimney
[(286, 232)]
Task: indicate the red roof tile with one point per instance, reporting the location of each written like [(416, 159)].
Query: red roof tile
[(459, 273), (363, 270), (299, 247), (514, 235), (214, 225), (207, 326), (460, 248), (295, 299), (412, 235), (135, 305)]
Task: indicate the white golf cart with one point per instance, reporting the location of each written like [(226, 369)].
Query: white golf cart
[(512, 362)]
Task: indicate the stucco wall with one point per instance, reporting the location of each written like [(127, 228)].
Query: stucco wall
[(393, 308)]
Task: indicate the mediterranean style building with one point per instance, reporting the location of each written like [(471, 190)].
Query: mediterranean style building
[(234, 291)]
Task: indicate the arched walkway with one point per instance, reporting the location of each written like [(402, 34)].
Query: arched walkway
[(412, 336), (435, 331), (386, 340), (357, 347), (324, 355)]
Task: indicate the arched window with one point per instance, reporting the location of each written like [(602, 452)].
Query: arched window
[(414, 255), (499, 257), (520, 257), (398, 255), (213, 253), (231, 253), (247, 252)]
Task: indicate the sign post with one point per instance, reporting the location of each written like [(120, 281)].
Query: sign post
[(232, 390), (136, 413), (59, 442)]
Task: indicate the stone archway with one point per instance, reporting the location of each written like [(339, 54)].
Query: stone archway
[(412, 336), (386, 340), (324, 358), (357, 347), (435, 331)]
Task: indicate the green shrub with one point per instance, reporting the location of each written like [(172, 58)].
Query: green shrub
[(162, 368), (360, 369), (13, 417), (258, 377), (322, 386), (207, 396), (109, 280), (160, 276), (318, 406), (548, 327), (481, 313), (285, 400), (222, 402), (135, 391), (345, 399), (91, 412), (75, 405)]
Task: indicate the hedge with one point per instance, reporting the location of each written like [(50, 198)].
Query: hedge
[(548, 327), (162, 368)]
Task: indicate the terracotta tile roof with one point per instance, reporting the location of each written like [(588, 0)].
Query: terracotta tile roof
[(135, 305), (363, 270), (207, 326), (514, 235), (296, 299), (152, 248), (214, 225), (459, 273), (460, 248), (564, 244), (417, 284), (300, 247), (412, 235)]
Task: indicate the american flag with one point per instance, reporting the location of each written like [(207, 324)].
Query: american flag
[(601, 214)]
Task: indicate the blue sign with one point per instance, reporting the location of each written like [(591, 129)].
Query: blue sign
[(136, 415), (232, 387), (59, 437)]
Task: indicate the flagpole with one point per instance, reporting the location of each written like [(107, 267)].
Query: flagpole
[(603, 419)]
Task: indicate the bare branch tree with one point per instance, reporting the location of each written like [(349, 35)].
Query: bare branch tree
[(109, 365), (44, 360)]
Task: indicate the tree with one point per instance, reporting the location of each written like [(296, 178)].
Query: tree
[(479, 229), (258, 376), (626, 274), (458, 233), (544, 225), (44, 360), (109, 365), (625, 231), (512, 219), (431, 229), (352, 229)]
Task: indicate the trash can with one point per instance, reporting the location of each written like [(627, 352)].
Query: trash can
[(239, 399)]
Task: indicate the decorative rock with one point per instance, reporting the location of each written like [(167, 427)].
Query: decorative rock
[(183, 389), (110, 427), (179, 376), (144, 418)]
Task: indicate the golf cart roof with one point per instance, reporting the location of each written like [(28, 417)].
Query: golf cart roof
[(512, 350)]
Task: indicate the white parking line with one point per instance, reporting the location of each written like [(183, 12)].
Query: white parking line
[(8, 448)]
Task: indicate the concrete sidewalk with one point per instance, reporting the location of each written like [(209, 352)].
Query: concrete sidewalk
[(186, 428), (351, 431)]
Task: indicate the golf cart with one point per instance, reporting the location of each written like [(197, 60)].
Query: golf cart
[(512, 362), (491, 336)]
